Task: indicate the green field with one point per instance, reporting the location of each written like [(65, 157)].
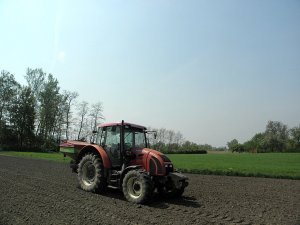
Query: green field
[(58, 157), (277, 165)]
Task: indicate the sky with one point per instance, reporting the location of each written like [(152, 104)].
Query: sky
[(214, 70)]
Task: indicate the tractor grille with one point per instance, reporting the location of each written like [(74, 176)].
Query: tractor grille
[(155, 166)]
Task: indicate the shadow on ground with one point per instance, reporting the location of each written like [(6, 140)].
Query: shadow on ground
[(158, 201)]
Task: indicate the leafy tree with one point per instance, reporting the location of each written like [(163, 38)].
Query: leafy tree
[(232, 144), (295, 139), (36, 79), (256, 144), (23, 116), (50, 99), (276, 136), (8, 89)]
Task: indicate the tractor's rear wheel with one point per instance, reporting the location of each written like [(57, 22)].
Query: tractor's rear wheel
[(137, 187), (90, 174)]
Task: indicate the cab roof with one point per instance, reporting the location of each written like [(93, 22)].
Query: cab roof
[(120, 123)]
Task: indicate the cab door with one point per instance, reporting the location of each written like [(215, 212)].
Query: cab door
[(110, 141)]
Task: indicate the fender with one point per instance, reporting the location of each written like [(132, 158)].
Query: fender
[(97, 149), (130, 168)]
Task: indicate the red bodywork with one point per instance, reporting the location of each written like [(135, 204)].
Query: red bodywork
[(152, 161), (143, 157), (127, 163), (140, 157)]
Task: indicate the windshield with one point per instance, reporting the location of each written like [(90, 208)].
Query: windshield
[(134, 138)]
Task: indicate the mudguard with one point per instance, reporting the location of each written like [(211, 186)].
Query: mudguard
[(105, 160)]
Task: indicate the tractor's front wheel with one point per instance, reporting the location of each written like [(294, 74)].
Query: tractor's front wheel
[(137, 187), (90, 174)]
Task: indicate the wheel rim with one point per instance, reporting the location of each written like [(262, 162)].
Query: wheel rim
[(88, 173), (134, 187)]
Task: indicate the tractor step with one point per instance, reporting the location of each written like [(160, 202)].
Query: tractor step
[(114, 179)]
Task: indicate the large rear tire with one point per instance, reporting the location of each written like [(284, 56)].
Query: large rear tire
[(91, 174), (137, 187)]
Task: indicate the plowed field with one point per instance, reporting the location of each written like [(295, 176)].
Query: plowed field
[(43, 192)]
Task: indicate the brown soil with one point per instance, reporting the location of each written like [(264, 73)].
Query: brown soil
[(42, 192)]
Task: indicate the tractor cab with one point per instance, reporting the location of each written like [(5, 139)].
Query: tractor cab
[(120, 140)]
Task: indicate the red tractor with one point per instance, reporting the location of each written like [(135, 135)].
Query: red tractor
[(121, 158)]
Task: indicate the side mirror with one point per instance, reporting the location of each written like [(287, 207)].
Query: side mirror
[(155, 135), (95, 132)]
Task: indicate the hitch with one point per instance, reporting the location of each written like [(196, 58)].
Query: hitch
[(179, 180)]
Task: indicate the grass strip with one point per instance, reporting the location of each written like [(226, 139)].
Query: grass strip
[(269, 165), (52, 156), (272, 165)]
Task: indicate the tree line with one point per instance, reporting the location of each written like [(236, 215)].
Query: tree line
[(38, 115), (277, 137), (169, 141)]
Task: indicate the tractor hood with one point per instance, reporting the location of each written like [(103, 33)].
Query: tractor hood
[(148, 151), (153, 161)]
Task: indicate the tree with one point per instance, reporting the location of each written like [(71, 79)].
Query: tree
[(170, 139), (23, 116), (276, 136), (50, 99), (161, 138), (60, 120), (8, 89), (96, 115), (36, 79), (295, 138), (235, 146), (178, 139), (83, 108), (69, 98), (256, 144), (232, 144)]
